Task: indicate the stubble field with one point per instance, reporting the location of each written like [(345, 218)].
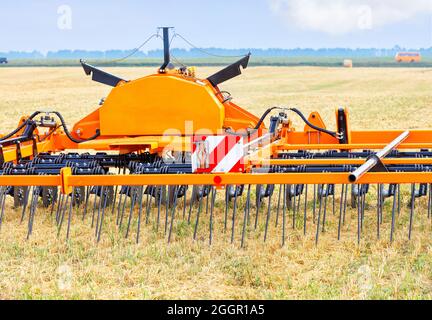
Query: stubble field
[(48, 267)]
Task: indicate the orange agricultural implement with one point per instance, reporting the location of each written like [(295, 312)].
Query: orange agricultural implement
[(170, 147)]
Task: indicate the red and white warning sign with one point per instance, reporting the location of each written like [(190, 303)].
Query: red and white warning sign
[(217, 154)]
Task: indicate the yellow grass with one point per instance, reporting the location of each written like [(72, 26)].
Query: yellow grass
[(49, 267)]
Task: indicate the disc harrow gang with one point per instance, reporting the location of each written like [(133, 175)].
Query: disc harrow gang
[(174, 152)]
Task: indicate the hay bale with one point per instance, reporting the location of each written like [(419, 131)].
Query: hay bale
[(348, 63)]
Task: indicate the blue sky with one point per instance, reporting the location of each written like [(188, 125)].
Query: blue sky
[(76, 24)]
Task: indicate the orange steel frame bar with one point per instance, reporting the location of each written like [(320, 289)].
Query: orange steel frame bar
[(67, 181)]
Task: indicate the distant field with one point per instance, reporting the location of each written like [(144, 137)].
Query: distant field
[(46, 267), (255, 61)]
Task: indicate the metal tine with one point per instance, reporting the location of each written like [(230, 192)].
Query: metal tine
[(167, 203), (227, 190), (141, 193), (159, 207), (118, 207), (314, 203), (63, 210), (341, 207), (198, 215), (54, 200), (185, 201), (327, 190), (191, 203), (345, 204), (32, 210), (213, 193), (105, 196), (319, 215), (393, 219), (363, 203), (399, 199), (378, 210), (3, 201), (59, 207), (99, 210), (207, 202), (128, 191), (268, 215), (86, 202), (278, 205), (429, 210), (115, 193), (132, 206), (176, 190), (293, 204), (26, 196), (234, 214), (305, 210), (94, 209), (283, 215), (246, 214), (70, 213), (411, 210), (359, 216)]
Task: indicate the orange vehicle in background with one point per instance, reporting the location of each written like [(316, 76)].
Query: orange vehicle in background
[(408, 57)]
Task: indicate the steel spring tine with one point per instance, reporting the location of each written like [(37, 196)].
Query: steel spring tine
[(318, 218), (176, 190), (94, 210), (167, 205), (191, 203), (430, 201), (325, 209), (159, 207), (234, 214), (227, 190), (345, 204), (124, 206), (115, 194), (133, 200), (293, 206), (86, 202), (283, 215), (3, 201), (70, 214), (258, 205), (53, 204), (140, 213), (341, 205), (363, 205), (314, 203), (198, 215), (207, 203), (411, 210), (26, 196), (99, 210), (305, 210), (105, 196), (268, 216), (31, 211), (118, 208), (393, 219), (62, 215), (359, 218), (246, 214), (399, 199), (333, 199), (378, 209), (184, 203), (59, 208), (211, 215), (278, 205), (149, 201)]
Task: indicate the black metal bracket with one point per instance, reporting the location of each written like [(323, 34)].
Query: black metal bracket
[(229, 72), (100, 76), (166, 43), (342, 126), (379, 167), (18, 151)]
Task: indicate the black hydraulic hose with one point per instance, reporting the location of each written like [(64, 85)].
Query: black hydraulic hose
[(298, 112), (265, 114), (14, 132), (68, 134)]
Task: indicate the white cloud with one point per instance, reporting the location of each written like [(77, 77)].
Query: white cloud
[(345, 16)]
